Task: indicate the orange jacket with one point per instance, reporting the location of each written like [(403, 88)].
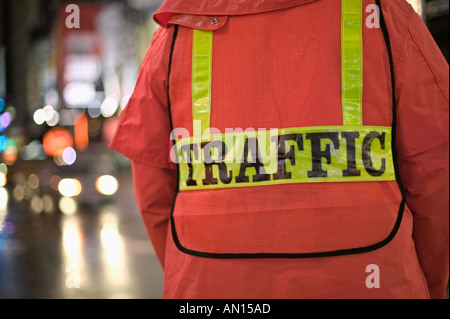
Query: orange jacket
[(277, 64)]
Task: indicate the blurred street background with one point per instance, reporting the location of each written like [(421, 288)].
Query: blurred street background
[(69, 224)]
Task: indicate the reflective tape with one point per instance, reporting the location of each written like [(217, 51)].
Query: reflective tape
[(292, 155), (201, 79), (351, 152), (352, 68), (352, 62)]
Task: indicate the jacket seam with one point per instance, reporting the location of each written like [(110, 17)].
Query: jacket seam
[(404, 36), (114, 143), (133, 156), (436, 77), (125, 114), (425, 149), (153, 86)]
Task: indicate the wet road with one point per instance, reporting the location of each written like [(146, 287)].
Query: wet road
[(101, 252)]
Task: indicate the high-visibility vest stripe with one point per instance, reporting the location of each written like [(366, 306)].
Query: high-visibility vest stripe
[(286, 156), (352, 62), (352, 68), (347, 160), (202, 78), (348, 151)]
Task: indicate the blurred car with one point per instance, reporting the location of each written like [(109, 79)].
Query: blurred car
[(94, 175), (90, 179)]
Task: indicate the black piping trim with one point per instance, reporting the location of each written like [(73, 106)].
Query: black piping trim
[(385, 31), (304, 255), (169, 104), (398, 176)]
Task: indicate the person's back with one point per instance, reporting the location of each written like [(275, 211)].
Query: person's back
[(290, 163)]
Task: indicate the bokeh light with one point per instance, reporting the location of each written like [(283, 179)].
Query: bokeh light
[(5, 121), (39, 117), (19, 193), (57, 139), (107, 185), (70, 187), (3, 179), (10, 151), (109, 106), (4, 197), (3, 142), (54, 120), (36, 205), (3, 168), (124, 101), (69, 156), (54, 182), (33, 181), (68, 206), (47, 203)]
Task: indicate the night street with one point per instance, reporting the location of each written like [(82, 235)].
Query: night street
[(344, 173), (103, 250)]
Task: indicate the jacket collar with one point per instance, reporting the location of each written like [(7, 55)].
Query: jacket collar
[(220, 8)]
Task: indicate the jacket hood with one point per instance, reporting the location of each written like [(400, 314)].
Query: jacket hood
[(220, 7)]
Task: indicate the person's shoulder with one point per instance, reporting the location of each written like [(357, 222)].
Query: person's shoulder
[(398, 15), (158, 48), (161, 34), (161, 38), (398, 9)]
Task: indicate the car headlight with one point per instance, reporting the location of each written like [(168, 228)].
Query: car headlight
[(107, 185), (70, 187)]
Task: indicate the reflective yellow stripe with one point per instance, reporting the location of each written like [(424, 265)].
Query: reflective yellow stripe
[(351, 152), (352, 69), (201, 80), (292, 155), (352, 62)]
